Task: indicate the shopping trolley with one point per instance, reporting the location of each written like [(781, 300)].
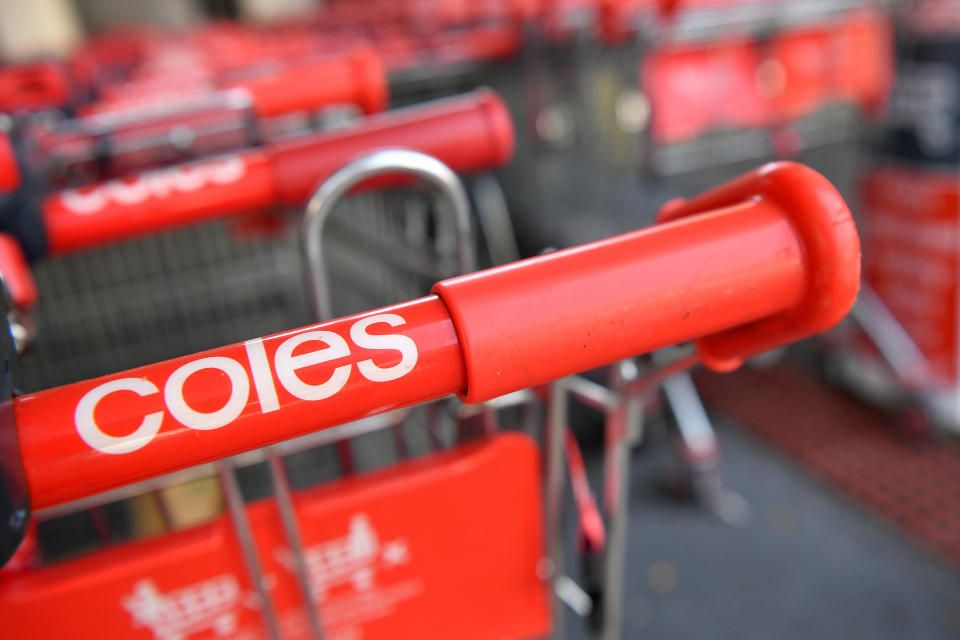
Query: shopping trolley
[(151, 298), (451, 115), (769, 258)]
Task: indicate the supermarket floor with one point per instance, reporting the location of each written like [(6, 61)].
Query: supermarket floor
[(808, 563)]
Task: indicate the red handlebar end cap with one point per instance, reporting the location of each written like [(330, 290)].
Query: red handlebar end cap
[(831, 254), (372, 91), (502, 133)]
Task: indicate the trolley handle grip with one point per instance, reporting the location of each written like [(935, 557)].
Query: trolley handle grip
[(769, 258), (356, 77), (472, 132), (831, 252)]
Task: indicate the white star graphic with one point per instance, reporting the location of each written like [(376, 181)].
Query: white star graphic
[(395, 553)]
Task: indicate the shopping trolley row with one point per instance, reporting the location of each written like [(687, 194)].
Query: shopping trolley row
[(428, 536)]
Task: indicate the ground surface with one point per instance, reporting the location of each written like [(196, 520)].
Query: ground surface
[(808, 563)]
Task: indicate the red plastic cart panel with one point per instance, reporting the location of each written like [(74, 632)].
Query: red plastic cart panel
[(910, 251), (441, 547), (694, 89), (744, 83)]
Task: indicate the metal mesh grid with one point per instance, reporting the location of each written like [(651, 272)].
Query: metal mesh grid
[(160, 297)]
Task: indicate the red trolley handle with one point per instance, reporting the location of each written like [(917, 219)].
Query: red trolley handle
[(35, 86), (356, 78), (471, 132), (776, 258)]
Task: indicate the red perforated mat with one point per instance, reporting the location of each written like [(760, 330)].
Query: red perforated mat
[(854, 448)]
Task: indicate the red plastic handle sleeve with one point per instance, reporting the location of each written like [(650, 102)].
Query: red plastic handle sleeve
[(358, 78), (485, 334), (831, 250), (472, 132)]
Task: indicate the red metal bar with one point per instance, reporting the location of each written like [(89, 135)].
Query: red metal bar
[(831, 254), (468, 133), (158, 200), (16, 274), (34, 87), (591, 527), (159, 418), (483, 335), (358, 78), (117, 140), (626, 295)]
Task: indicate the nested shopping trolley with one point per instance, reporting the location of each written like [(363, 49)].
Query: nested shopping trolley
[(403, 241), (453, 543), (135, 302)]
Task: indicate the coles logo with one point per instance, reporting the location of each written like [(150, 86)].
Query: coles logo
[(258, 369), (211, 605), (159, 183), (353, 559)]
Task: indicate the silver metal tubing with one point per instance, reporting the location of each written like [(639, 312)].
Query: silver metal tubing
[(318, 210), (332, 190), (241, 525), (892, 341), (592, 394), (620, 422), (664, 368), (553, 500), (291, 530), (702, 451), (693, 424), (494, 217)]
